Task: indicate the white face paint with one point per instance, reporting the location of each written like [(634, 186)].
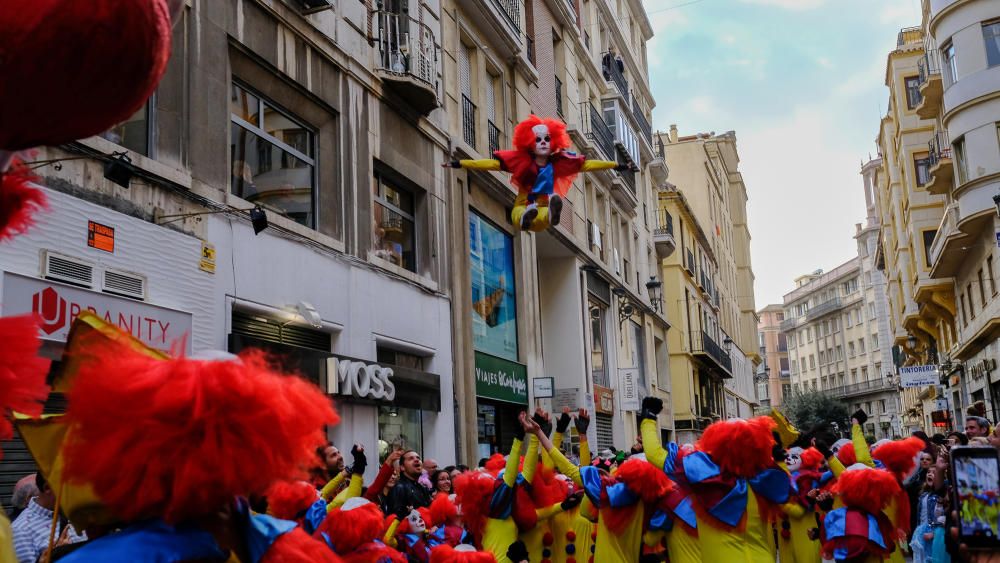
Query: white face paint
[(416, 521), (543, 140), (794, 459)]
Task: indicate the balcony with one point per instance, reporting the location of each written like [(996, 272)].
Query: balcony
[(468, 121), (663, 234), (863, 388), (597, 131), (941, 170), (824, 308), (408, 60), (689, 263), (931, 89), (494, 135), (501, 21), (511, 11), (708, 350), (640, 118), (613, 67), (910, 36), (619, 122), (788, 325)]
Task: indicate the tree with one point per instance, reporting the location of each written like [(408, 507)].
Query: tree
[(816, 411)]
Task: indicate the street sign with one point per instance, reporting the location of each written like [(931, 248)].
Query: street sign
[(919, 376), (543, 387)]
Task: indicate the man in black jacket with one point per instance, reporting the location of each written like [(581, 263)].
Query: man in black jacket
[(408, 493)]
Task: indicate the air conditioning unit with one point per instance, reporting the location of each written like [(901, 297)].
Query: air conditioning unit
[(66, 269)]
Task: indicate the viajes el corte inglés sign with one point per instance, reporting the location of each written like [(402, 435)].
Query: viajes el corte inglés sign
[(501, 379)]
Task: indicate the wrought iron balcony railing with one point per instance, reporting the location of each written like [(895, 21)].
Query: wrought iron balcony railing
[(640, 118), (599, 132), (938, 148), (468, 121), (610, 65), (511, 9)]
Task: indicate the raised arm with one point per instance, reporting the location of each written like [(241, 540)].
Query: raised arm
[(582, 422), (329, 490), (384, 474), (481, 164), (593, 165), (510, 471), (354, 488), (561, 426), (564, 465), (655, 452), (861, 451)]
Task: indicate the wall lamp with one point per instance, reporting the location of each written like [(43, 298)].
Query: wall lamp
[(996, 202), (119, 169), (625, 307), (655, 289), (258, 218)]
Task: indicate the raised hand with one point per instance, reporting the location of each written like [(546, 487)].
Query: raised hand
[(582, 421), (563, 423), (360, 459)]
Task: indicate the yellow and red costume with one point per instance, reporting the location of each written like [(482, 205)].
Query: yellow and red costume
[(487, 505), (539, 179), (860, 530), (899, 459), (681, 530), (799, 519)]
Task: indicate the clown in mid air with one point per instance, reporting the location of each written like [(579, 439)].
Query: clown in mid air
[(542, 169)]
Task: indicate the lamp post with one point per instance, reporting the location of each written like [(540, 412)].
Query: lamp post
[(655, 289)]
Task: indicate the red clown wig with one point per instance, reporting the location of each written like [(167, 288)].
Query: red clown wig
[(524, 137), (473, 492), (442, 509), (899, 457), (18, 200), (289, 499), (351, 526), (846, 455), (297, 546), (870, 490), (811, 459), (447, 554), (22, 372), (740, 447), (203, 422)]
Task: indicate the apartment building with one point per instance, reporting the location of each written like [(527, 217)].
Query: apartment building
[(834, 345), (773, 376), (584, 62), (715, 350), (959, 92)]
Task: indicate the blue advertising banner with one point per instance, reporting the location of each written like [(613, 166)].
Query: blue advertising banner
[(494, 307)]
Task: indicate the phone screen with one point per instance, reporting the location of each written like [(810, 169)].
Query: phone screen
[(977, 489)]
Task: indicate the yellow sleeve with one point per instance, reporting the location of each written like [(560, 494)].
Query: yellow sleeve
[(584, 451), (353, 490), (655, 452), (588, 510), (566, 467), (510, 471), (835, 466), (793, 509), (482, 164), (331, 486), (547, 462), (861, 451), (592, 165), (389, 538), (548, 511), (530, 460)]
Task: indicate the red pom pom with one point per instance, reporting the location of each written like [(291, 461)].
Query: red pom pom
[(297, 546), (473, 492), (740, 447), (18, 200), (204, 422), (547, 539), (546, 561), (73, 69), (495, 464), (22, 372), (571, 535), (593, 535)]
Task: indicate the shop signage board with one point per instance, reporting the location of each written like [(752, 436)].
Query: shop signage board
[(629, 388), (604, 400), (360, 379), (101, 237), (543, 387), (207, 261), (919, 376), (501, 380), (568, 398), (58, 305)]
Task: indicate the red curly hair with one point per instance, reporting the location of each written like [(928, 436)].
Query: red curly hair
[(900, 456), (870, 490), (473, 492), (811, 459), (740, 447), (524, 137)]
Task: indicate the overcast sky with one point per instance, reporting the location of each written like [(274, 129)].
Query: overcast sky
[(802, 82)]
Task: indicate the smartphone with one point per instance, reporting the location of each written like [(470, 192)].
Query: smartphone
[(976, 492)]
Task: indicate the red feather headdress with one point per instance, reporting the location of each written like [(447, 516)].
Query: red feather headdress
[(18, 200), (22, 372)]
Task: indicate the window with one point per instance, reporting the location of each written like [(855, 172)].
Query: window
[(961, 165), (864, 374), (982, 288), (991, 36), (989, 273), (272, 157), (948, 66), (913, 97), (812, 362), (599, 368), (854, 376), (133, 133), (875, 341), (928, 242), (401, 428), (965, 315), (850, 349), (809, 334), (494, 303), (861, 345), (878, 368), (881, 406), (782, 343), (786, 390), (822, 357), (795, 367), (393, 232), (922, 169), (840, 353), (972, 301)]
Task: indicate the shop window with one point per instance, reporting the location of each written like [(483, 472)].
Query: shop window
[(494, 303), (272, 157), (133, 133), (393, 224), (599, 367), (399, 428)]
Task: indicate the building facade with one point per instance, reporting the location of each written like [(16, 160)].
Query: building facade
[(834, 345), (773, 376), (714, 354)]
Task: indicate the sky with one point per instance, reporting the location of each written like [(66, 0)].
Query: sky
[(802, 83)]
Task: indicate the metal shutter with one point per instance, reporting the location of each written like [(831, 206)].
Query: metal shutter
[(17, 462), (605, 433), (465, 70)]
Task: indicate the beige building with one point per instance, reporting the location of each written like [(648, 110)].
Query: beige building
[(705, 170), (573, 308), (773, 376), (959, 92), (834, 345)]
